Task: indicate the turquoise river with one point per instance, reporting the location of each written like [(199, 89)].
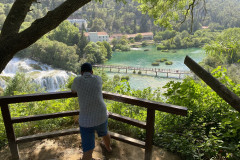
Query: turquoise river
[(137, 57)]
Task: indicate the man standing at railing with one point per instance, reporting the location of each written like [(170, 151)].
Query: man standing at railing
[(93, 113)]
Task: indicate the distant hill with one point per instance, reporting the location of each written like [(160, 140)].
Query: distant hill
[(126, 18)]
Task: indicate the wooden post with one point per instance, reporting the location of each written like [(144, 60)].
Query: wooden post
[(167, 74), (149, 133), (126, 70), (217, 86), (10, 132)]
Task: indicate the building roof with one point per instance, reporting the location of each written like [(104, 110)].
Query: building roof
[(132, 35), (204, 27), (102, 33)]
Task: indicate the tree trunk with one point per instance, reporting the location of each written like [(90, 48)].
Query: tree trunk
[(5, 57)]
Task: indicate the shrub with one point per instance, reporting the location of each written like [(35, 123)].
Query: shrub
[(161, 47), (163, 59), (139, 72), (132, 40), (138, 37), (134, 72), (155, 64), (168, 62), (165, 50), (144, 43), (116, 77), (125, 78)]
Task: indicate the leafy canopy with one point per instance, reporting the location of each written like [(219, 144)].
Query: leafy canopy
[(166, 11)]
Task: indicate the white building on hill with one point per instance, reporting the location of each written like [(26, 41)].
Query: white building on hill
[(97, 36), (79, 22)]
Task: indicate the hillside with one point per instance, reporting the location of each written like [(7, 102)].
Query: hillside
[(126, 18)]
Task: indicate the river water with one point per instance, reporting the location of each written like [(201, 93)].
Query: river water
[(137, 57), (52, 79)]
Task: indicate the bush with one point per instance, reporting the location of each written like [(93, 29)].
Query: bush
[(134, 72), (163, 59), (161, 47), (168, 62), (155, 64), (139, 72), (125, 78), (132, 40), (125, 48), (166, 50), (144, 43), (138, 37)]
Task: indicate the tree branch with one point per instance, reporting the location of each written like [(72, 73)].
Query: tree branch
[(212, 82), (47, 23), (15, 17), (190, 8)]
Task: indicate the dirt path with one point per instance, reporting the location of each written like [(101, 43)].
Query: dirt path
[(69, 148)]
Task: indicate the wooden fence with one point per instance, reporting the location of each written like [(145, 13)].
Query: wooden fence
[(141, 69), (148, 125), (214, 83)]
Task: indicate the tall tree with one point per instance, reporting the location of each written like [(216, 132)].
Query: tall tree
[(81, 45), (66, 33)]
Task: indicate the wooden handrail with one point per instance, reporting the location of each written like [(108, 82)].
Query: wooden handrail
[(169, 108), (212, 82), (148, 125)]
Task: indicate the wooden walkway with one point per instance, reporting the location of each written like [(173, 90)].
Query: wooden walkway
[(155, 70)]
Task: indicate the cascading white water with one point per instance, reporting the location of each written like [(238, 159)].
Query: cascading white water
[(52, 80), (44, 75)]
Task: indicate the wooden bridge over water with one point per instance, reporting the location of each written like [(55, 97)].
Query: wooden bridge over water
[(155, 70)]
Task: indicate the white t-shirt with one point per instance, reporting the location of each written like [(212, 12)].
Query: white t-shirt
[(93, 110)]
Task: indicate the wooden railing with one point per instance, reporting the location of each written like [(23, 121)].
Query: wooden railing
[(148, 125), (156, 70), (230, 97)]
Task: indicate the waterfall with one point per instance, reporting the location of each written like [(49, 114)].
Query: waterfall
[(47, 77), (52, 80)]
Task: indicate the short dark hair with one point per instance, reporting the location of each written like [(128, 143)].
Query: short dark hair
[(86, 67)]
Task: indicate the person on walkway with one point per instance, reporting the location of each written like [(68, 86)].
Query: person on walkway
[(93, 113)]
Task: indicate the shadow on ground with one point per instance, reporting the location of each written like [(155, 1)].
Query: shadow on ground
[(69, 148)]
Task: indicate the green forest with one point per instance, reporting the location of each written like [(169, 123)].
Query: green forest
[(211, 129)]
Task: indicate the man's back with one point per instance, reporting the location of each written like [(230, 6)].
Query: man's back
[(92, 107)]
